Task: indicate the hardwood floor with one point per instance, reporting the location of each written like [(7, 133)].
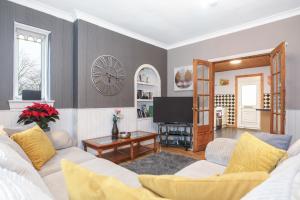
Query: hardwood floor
[(196, 155), (233, 133), (181, 151)]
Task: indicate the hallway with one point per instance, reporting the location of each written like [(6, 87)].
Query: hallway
[(232, 132)]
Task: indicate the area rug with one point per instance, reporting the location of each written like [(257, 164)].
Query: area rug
[(159, 164)]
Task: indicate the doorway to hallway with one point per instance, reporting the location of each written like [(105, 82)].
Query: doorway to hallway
[(249, 91)]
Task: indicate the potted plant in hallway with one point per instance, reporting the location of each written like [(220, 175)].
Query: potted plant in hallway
[(39, 113), (115, 131)]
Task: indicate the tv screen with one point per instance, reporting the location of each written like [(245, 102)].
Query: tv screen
[(173, 109)]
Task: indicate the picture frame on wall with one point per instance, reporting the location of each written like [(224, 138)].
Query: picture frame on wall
[(183, 78)]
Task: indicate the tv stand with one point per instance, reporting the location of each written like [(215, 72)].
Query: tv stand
[(176, 134)]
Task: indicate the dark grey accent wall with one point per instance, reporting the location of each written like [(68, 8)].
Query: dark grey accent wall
[(258, 38), (94, 41), (61, 52)]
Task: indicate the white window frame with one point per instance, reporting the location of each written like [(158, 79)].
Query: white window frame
[(45, 68)]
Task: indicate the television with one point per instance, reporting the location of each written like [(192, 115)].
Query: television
[(173, 109)]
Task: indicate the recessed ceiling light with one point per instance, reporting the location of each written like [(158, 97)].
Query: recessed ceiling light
[(235, 62)]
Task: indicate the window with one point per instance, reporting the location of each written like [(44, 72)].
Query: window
[(31, 61)]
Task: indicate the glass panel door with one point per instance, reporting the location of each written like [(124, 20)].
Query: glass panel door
[(278, 89), (203, 104)]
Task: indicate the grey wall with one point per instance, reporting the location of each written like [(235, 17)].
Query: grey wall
[(258, 38), (93, 41), (61, 52)]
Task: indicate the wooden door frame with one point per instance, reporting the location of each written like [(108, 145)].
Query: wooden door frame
[(236, 92)]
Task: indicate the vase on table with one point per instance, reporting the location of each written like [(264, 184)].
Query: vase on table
[(114, 131)]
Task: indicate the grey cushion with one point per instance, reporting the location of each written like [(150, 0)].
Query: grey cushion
[(219, 150), (60, 139), (279, 141)]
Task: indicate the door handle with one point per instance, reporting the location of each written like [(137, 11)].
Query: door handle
[(195, 109)]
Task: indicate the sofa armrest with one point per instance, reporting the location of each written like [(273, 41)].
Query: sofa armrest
[(219, 150)]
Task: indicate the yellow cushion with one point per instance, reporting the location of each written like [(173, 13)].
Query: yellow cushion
[(84, 184), (252, 154), (225, 187), (36, 144)]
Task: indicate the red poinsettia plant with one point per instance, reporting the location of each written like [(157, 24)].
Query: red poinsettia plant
[(39, 113)]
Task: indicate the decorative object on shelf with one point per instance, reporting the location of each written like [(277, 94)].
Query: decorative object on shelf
[(108, 75), (143, 77), (125, 135), (117, 116), (224, 82), (139, 113), (139, 94), (146, 95), (183, 78), (143, 112), (150, 111), (39, 113)]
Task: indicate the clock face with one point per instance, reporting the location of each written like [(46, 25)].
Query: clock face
[(108, 75)]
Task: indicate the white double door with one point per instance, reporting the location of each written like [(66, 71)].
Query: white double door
[(249, 99)]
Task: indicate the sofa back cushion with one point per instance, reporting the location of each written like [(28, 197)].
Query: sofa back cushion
[(225, 187), (14, 186), (85, 184), (219, 151), (252, 154), (279, 141), (11, 160), (60, 139), (283, 184), (294, 149)]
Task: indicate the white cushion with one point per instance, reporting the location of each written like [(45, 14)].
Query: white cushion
[(219, 151), (281, 184), (101, 166), (201, 169), (60, 139), (9, 159), (16, 187), (73, 154), (294, 149), (4, 139)]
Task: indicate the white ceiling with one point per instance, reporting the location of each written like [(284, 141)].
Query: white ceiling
[(171, 23)]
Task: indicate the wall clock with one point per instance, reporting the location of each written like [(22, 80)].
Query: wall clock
[(108, 75)]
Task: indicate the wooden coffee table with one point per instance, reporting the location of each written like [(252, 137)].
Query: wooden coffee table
[(123, 149)]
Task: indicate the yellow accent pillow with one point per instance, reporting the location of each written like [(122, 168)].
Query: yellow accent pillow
[(36, 144), (225, 187), (252, 154), (84, 184)]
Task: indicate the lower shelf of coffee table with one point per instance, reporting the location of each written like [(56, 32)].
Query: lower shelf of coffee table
[(122, 155)]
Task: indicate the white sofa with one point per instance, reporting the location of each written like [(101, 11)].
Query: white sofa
[(217, 151)]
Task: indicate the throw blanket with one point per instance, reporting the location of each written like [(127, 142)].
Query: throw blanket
[(283, 184), (16, 187)]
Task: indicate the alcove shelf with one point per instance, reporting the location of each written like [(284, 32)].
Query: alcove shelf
[(147, 84)]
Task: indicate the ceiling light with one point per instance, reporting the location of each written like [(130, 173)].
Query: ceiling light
[(235, 62), (209, 3), (30, 39)]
